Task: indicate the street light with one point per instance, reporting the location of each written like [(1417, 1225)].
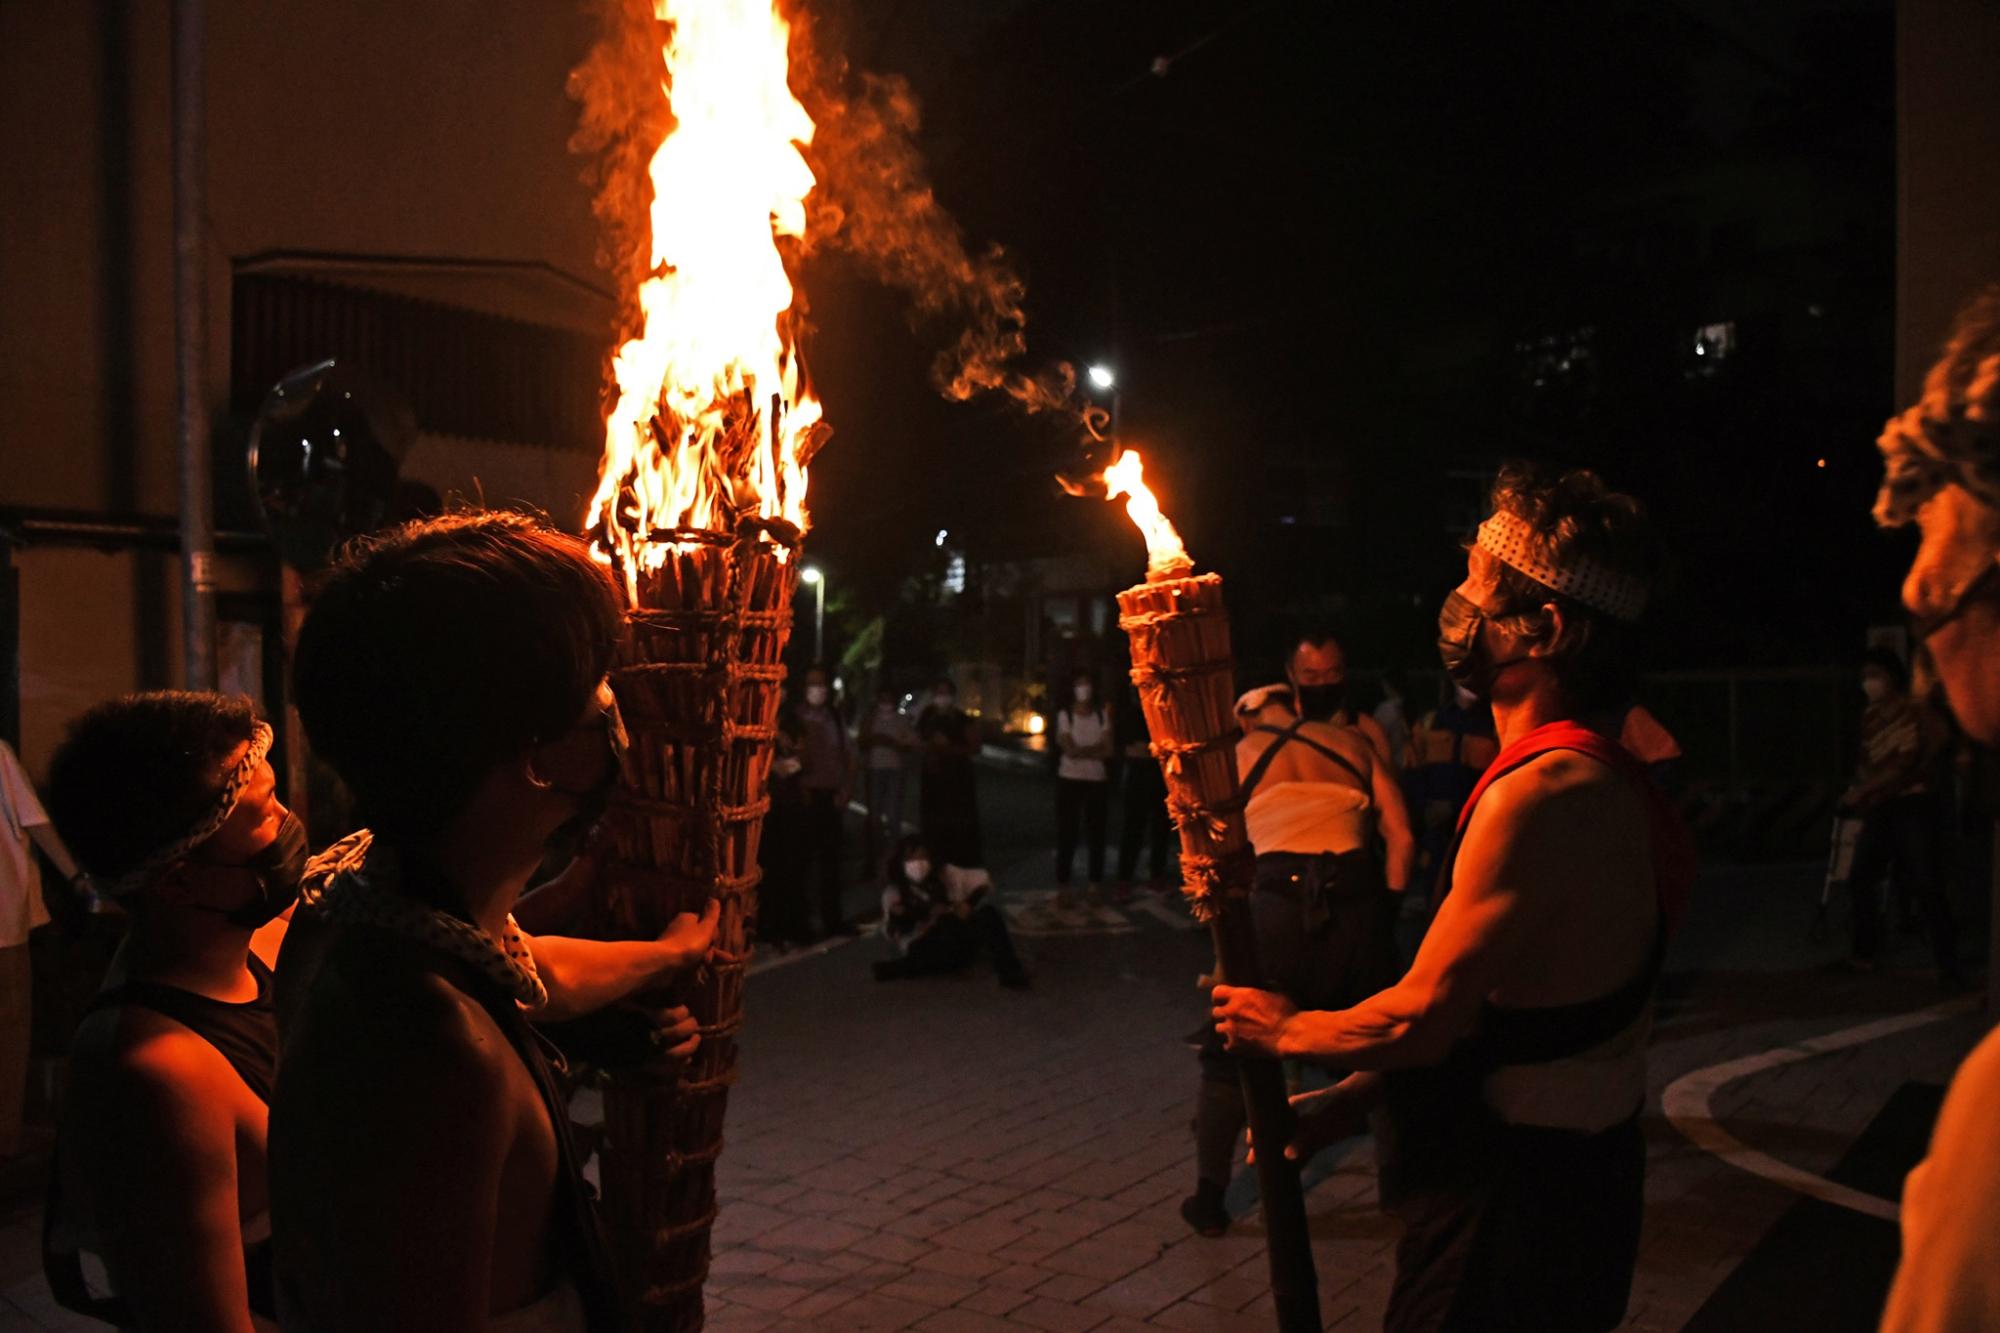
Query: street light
[(817, 581), (1103, 377)]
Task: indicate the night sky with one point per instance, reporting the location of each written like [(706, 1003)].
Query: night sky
[(1346, 259)]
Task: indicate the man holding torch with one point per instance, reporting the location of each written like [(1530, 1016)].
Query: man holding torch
[(1511, 1058)]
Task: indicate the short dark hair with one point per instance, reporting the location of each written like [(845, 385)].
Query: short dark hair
[(439, 649), (1314, 635), (135, 773), (892, 870), (1889, 662), (1574, 516)]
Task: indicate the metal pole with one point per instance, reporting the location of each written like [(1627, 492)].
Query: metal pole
[(819, 619), (1288, 1239), (197, 498)]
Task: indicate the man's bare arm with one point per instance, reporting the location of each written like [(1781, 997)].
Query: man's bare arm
[(1378, 739), (585, 975), (163, 1186), (53, 847), (1518, 838), (1400, 842)]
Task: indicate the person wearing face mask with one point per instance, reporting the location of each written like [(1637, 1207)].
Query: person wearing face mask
[(1085, 743), (1449, 748), (1510, 1059), (827, 777), (948, 799), (158, 1212), (1893, 797), (940, 918), (1318, 672), (1943, 475), (887, 740), (422, 1172), (1322, 904)]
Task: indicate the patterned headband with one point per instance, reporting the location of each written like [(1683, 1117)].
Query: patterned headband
[(1512, 541), (1922, 454), (204, 828)]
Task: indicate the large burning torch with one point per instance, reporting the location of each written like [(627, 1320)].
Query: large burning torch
[(1182, 666), (699, 510)]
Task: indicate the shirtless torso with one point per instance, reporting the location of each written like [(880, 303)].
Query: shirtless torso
[(457, 1174)]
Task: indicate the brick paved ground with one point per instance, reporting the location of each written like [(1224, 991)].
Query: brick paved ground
[(948, 1155)]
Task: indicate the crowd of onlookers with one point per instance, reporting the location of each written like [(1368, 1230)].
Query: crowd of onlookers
[(332, 1090)]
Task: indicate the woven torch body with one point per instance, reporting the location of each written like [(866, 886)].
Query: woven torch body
[(698, 679), (1181, 664)]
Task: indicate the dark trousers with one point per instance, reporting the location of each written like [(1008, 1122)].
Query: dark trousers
[(1084, 803), (1902, 834), (1325, 939), (822, 853), (781, 898), (1541, 1236), (1143, 820), (951, 942)]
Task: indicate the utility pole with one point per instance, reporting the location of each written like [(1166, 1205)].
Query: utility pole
[(197, 494)]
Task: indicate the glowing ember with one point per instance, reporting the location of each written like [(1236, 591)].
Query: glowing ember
[(714, 421), (1165, 556)]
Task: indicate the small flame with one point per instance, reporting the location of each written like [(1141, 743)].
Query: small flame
[(714, 421), (1165, 556)]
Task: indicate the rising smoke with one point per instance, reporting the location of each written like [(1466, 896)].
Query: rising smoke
[(873, 203)]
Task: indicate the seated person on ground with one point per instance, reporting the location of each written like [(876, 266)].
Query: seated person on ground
[(941, 917)]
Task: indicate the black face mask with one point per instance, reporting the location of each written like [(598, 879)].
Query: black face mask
[(1317, 703), (591, 801), (1460, 649), (278, 870)]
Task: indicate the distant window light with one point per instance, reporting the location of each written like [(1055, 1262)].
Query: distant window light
[(1716, 340), (954, 574), (1289, 519), (1713, 343)]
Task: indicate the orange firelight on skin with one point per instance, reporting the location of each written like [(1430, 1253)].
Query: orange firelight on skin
[(1166, 557), (714, 420)]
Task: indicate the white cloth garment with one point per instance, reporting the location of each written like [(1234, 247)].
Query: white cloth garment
[(1076, 728), (1309, 817), (21, 907)]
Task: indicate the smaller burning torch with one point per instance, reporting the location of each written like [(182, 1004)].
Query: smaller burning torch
[(1182, 667)]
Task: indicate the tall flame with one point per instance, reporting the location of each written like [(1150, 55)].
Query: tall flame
[(1165, 556), (714, 420)]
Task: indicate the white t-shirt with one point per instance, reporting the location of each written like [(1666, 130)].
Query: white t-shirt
[(21, 908), (960, 884), (1081, 729)]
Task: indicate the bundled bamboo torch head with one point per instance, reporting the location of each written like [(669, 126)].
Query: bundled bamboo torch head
[(1182, 666)]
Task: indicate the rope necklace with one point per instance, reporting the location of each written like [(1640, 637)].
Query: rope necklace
[(353, 883)]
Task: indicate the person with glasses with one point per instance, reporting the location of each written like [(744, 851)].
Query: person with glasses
[(453, 672)]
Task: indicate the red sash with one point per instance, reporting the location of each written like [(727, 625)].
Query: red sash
[(1672, 843)]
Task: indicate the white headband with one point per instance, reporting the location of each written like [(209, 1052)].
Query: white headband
[(1510, 539), (211, 821)]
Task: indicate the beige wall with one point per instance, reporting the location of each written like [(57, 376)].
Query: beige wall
[(374, 127), (1948, 142)]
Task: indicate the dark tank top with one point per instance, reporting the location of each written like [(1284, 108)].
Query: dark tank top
[(246, 1035)]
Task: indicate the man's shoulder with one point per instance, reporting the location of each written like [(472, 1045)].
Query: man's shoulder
[(376, 996), (154, 1075), (1561, 785)]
